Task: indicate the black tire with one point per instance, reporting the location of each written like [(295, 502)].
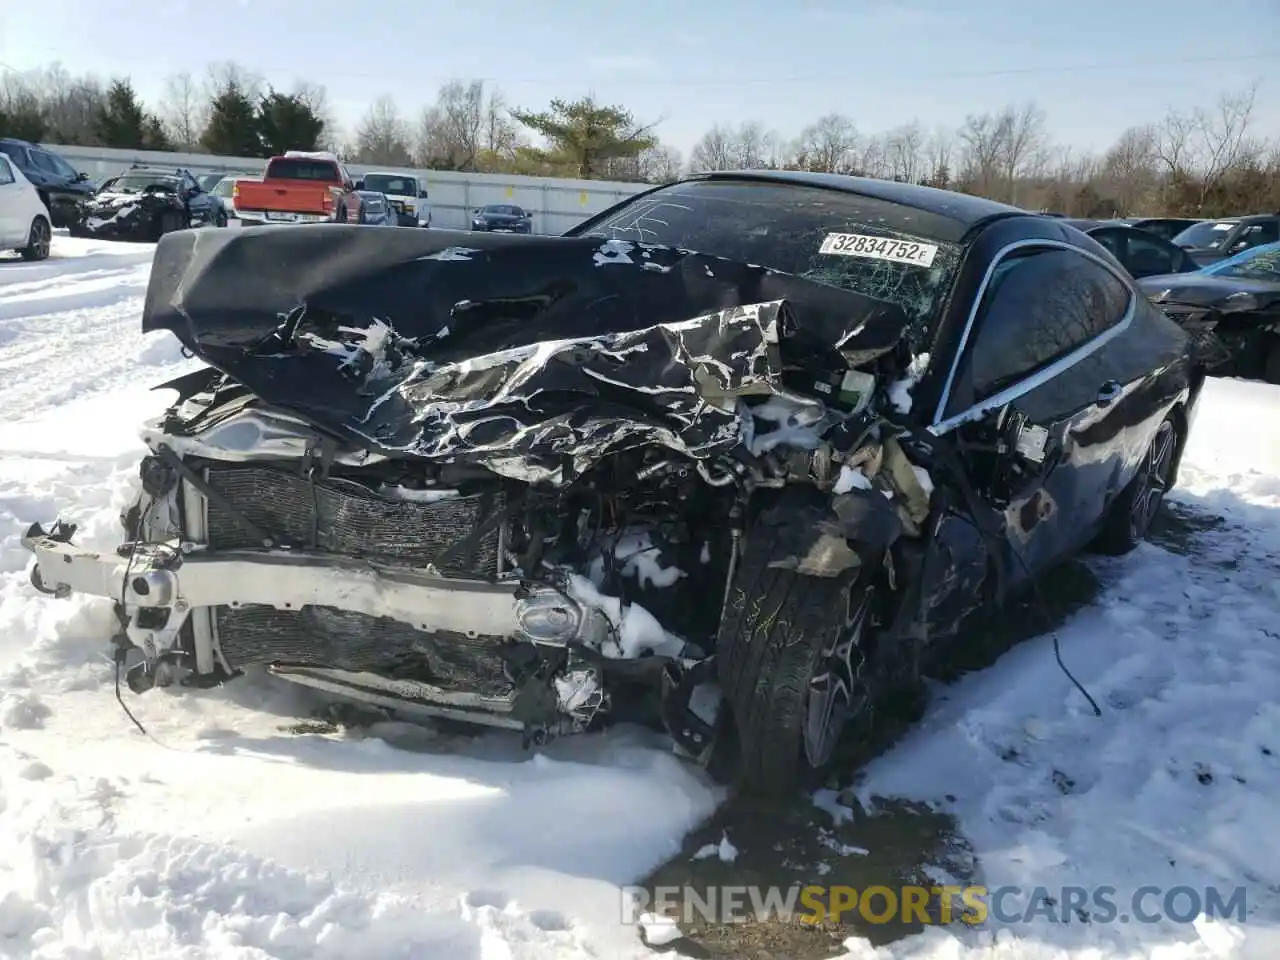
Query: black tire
[(39, 240), (340, 214), (1271, 369), (1129, 517), (772, 651)]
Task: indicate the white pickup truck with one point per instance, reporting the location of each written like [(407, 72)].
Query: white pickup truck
[(406, 194)]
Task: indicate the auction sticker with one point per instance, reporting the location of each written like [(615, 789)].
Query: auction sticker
[(879, 248)]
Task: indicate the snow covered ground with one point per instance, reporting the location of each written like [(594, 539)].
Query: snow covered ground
[(225, 834)]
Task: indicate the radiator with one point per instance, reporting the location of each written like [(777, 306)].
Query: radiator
[(342, 517)]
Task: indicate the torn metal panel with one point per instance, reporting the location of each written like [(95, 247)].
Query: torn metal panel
[(533, 357)]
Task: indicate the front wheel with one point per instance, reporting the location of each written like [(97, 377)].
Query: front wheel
[(39, 240), (1130, 517), (791, 650)]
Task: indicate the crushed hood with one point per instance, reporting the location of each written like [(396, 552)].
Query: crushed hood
[(532, 356)]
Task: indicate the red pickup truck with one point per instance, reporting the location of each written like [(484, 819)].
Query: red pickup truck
[(299, 187)]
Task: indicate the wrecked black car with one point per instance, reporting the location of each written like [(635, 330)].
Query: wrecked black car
[(144, 204), (1232, 309), (753, 448)]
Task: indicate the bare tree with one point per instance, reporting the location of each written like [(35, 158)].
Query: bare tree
[(982, 140), (659, 164), (1022, 130), (184, 110), (69, 104), (221, 77), (383, 137), (501, 137), (1174, 147), (1130, 169), (827, 145), (756, 148), (715, 150), (1224, 142), (904, 152), (938, 157)]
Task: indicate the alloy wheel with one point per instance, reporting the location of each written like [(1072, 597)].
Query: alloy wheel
[(1153, 480), (838, 689), (41, 238)]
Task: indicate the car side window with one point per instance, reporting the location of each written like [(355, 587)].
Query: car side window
[(6, 174), (1040, 305)]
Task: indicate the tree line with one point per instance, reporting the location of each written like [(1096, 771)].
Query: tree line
[(1203, 162)]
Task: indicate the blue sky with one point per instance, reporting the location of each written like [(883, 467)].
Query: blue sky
[(1096, 66)]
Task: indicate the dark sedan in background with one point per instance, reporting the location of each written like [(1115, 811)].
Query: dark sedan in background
[(1233, 306), (502, 218)]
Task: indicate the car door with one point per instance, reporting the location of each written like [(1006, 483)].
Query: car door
[(200, 208), (11, 231), (1036, 397)]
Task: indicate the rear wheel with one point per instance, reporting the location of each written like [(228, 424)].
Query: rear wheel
[(791, 661), (39, 240), (1130, 517)]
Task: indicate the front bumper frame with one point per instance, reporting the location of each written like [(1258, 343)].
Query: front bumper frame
[(182, 577)]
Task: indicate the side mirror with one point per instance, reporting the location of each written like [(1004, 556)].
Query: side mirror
[(1239, 245), (422, 195), (358, 185), (81, 177)]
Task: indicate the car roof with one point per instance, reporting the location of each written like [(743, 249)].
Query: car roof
[(943, 213)]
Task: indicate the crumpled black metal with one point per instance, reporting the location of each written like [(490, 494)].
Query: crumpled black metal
[(532, 356)]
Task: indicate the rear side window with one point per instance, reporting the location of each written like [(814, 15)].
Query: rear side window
[(1040, 306), (6, 174), (299, 169)]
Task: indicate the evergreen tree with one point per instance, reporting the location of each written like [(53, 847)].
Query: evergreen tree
[(584, 133), (287, 122), (120, 120), (233, 129), (154, 136)]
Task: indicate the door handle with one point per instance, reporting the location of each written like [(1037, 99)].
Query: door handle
[(1109, 393)]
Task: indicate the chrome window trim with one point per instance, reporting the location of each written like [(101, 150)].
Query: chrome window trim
[(1063, 363)]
